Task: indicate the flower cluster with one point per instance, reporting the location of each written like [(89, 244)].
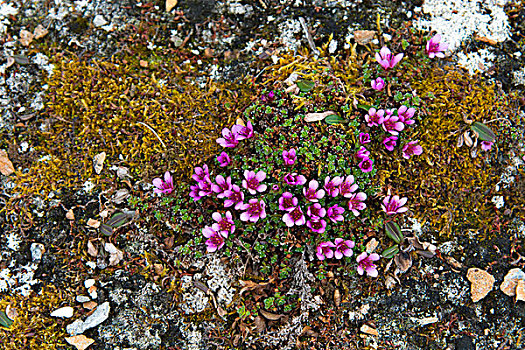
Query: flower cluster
[(163, 187), (231, 138), (341, 248)]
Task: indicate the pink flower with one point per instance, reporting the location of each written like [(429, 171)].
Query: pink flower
[(378, 84), (275, 187), (221, 186), (228, 139), (224, 225), (366, 263), (316, 224), (311, 193), (334, 213), (355, 203), (435, 48), (235, 197), (348, 187), (366, 165), (324, 251), (374, 117), (364, 138), (390, 142), (331, 185), (413, 149), (254, 210), (485, 145), (394, 205), (289, 157), (215, 239), (194, 193), (205, 187), (405, 115), (386, 59), (269, 97), (223, 159), (201, 173), (294, 216), (243, 132), (253, 181), (165, 186), (392, 124), (363, 153), (294, 179), (316, 211), (287, 201), (343, 248)]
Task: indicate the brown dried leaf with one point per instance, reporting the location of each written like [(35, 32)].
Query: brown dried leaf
[(250, 285), (460, 141), (403, 261), (6, 167), (270, 316), (453, 262), (468, 139), (260, 324), (91, 249), (486, 40), (414, 242), (314, 117), (337, 297)]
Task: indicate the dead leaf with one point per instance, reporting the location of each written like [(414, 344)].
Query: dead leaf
[(453, 262), (250, 285), (414, 242), (6, 167), (314, 117), (307, 330), (403, 261), (11, 312), (10, 62), (26, 37), (115, 255), (98, 162), (363, 37), (371, 245), (40, 31), (337, 297), (460, 141), (468, 139), (270, 316), (260, 324), (91, 249), (369, 330), (170, 4), (486, 40)]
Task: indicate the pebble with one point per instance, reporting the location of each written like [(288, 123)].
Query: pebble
[(369, 330), (66, 312), (93, 292), (88, 283), (81, 342), (37, 250), (510, 282), (90, 305), (99, 21), (83, 298), (482, 283), (100, 314)]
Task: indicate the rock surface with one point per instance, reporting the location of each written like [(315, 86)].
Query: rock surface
[(482, 283)]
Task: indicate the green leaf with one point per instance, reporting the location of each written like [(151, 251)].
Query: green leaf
[(22, 60), (404, 44), (393, 231), (335, 119), (390, 252), (365, 107), (305, 85), (106, 230), (484, 132), (118, 219), (4, 320)]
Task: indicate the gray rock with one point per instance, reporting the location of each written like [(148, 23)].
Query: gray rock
[(100, 315)]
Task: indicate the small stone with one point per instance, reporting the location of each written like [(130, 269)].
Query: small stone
[(170, 4), (99, 21), (369, 330), (93, 292), (81, 342), (363, 37), (371, 245), (482, 283), (90, 305), (88, 283), (77, 327), (91, 249), (93, 223), (510, 282), (98, 162), (83, 298), (98, 316), (37, 250), (65, 312), (40, 31), (520, 290), (26, 37), (70, 215)]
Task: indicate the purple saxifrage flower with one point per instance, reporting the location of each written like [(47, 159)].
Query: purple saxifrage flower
[(435, 48), (201, 173), (275, 187), (228, 139), (252, 181), (205, 187), (364, 138), (334, 213), (392, 124), (316, 224), (366, 165), (165, 186), (234, 197), (374, 117), (343, 248), (406, 114), (363, 153), (413, 149), (254, 210), (243, 132), (194, 193), (215, 239), (316, 210), (355, 203), (224, 225), (331, 186), (223, 159), (378, 84), (485, 145), (366, 263), (294, 216), (221, 185), (394, 205), (348, 186), (390, 142), (311, 192), (386, 59), (287, 201), (294, 179), (289, 157), (324, 250), (268, 97)]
